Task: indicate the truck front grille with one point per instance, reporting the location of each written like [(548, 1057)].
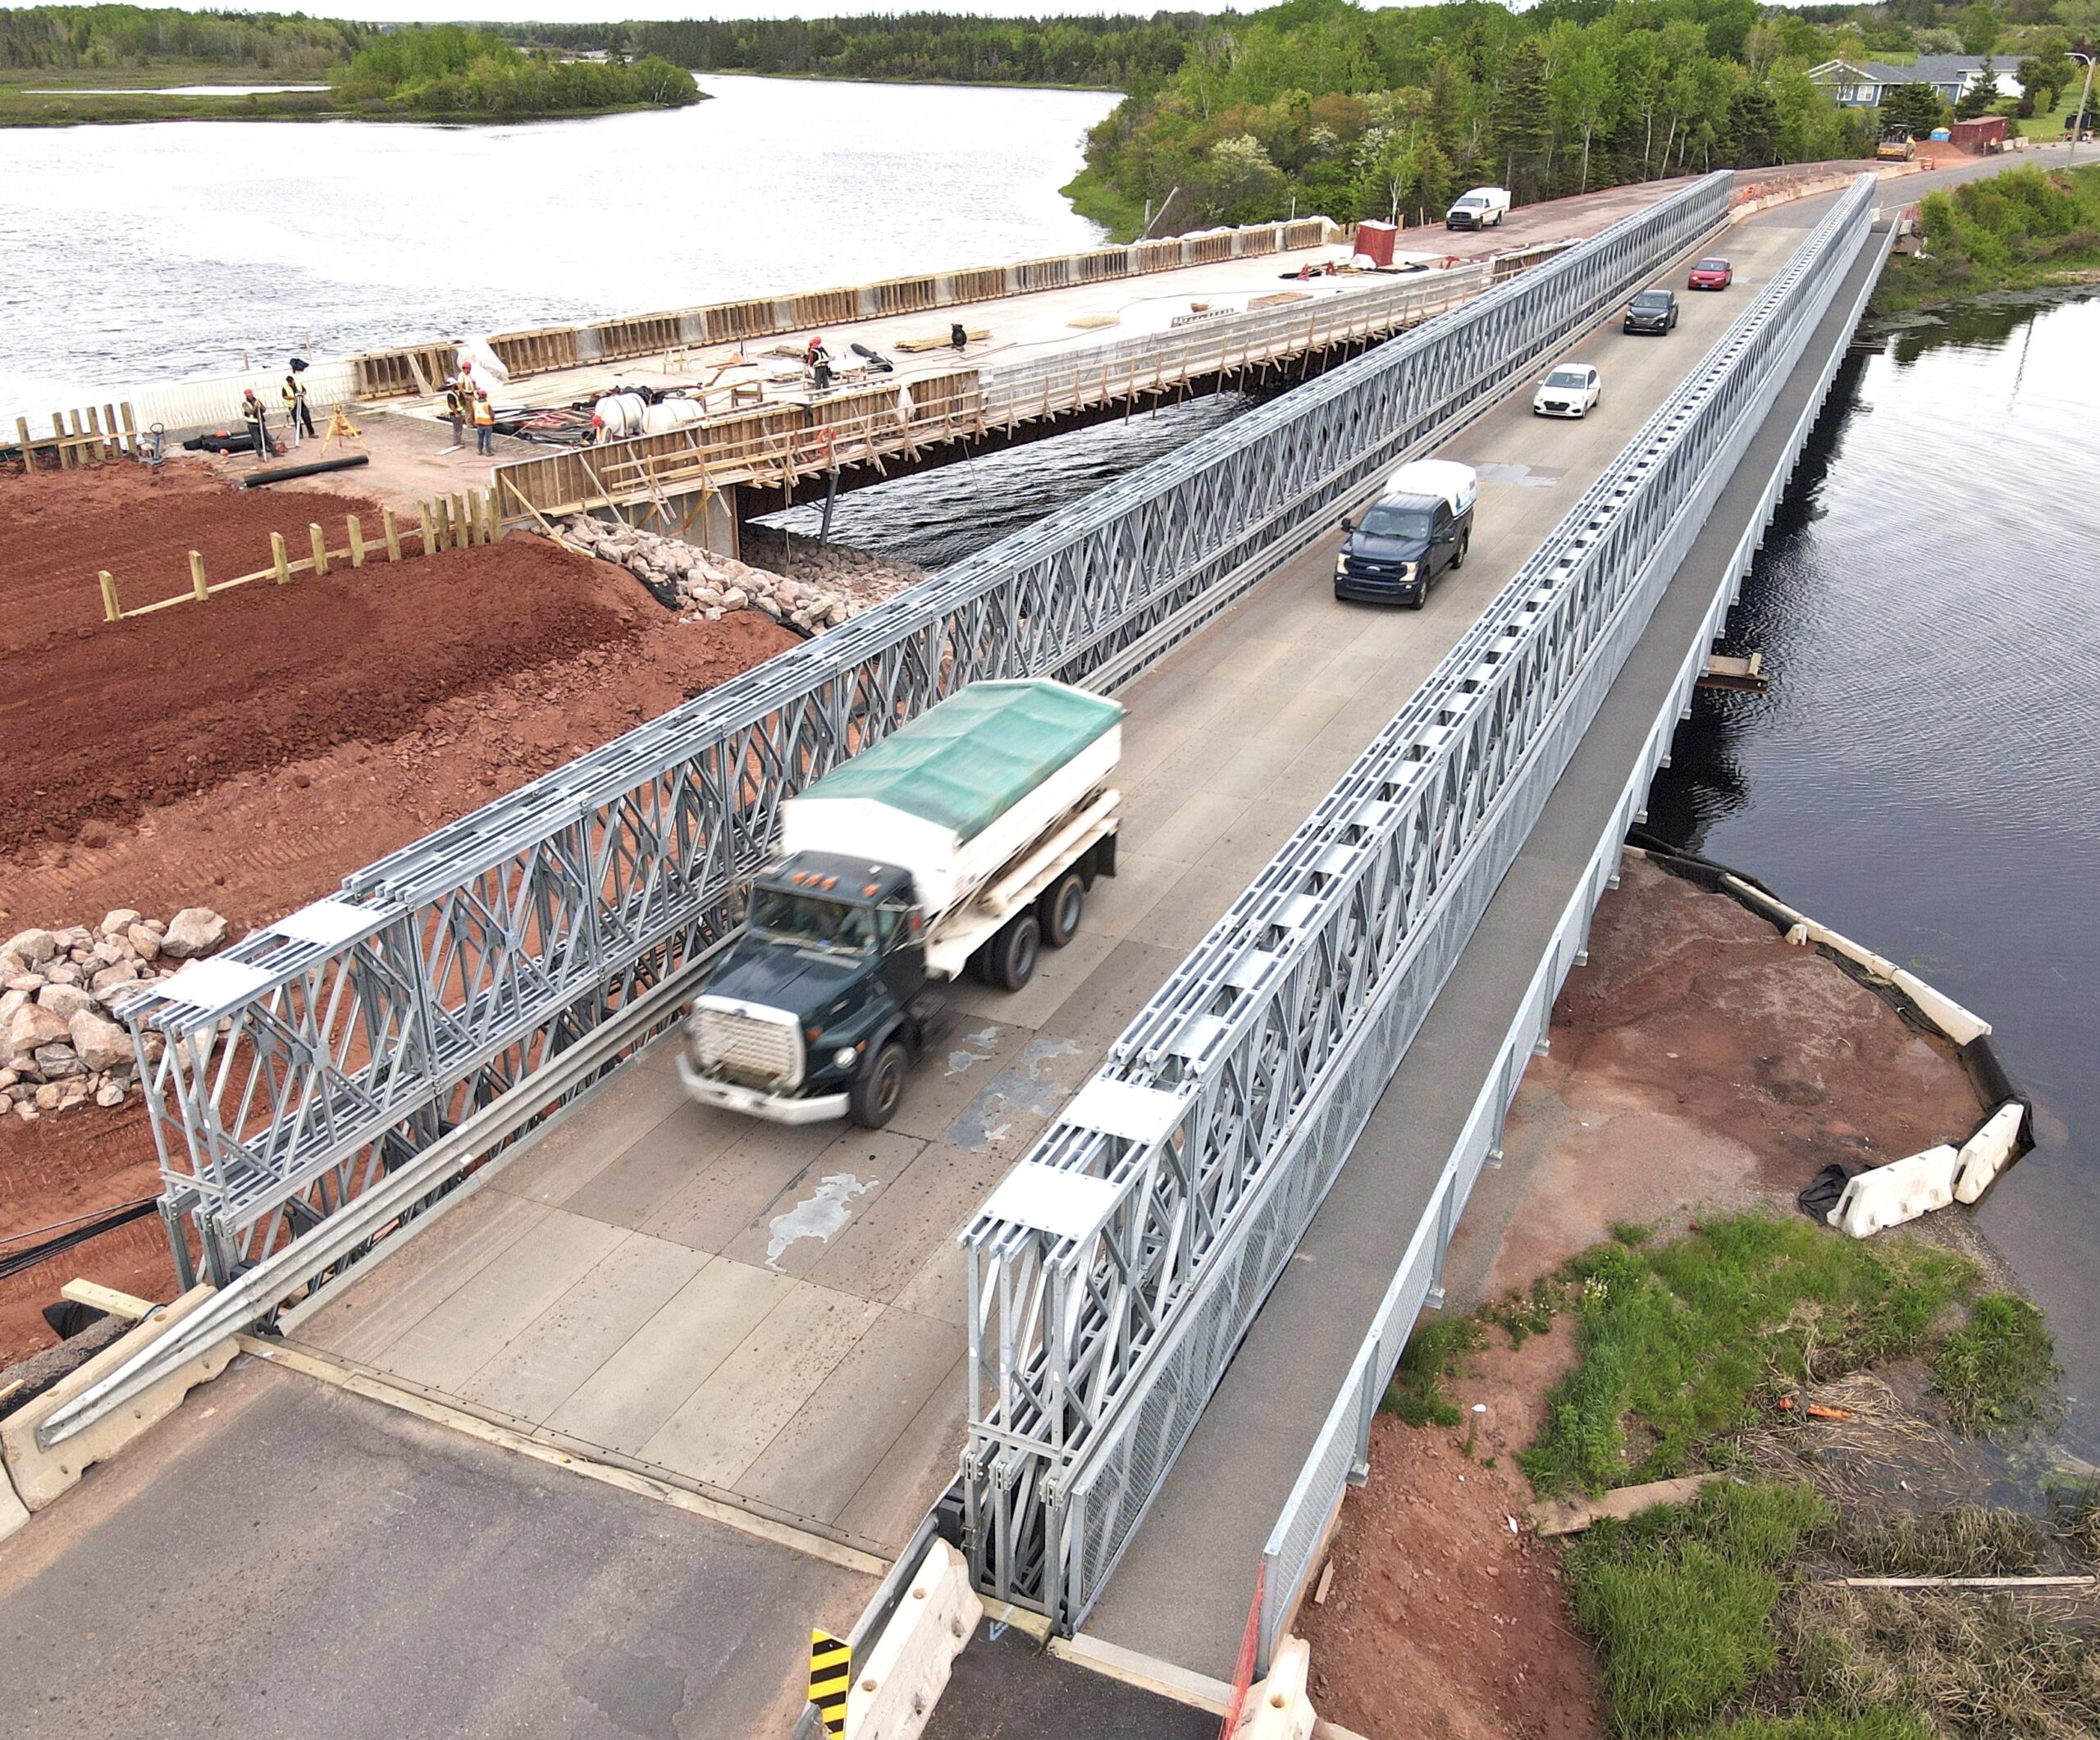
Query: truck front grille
[(759, 1048)]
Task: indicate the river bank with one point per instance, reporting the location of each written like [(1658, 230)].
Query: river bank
[(2025, 230), (1700, 1070)]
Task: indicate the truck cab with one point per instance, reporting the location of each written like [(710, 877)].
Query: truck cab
[(1477, 208), (1422, 525), (819, 1006)]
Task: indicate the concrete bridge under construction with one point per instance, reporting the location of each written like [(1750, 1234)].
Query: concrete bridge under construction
[(619, 1396)]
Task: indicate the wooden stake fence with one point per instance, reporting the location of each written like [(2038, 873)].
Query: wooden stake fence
[(457, 523), (96, 436)]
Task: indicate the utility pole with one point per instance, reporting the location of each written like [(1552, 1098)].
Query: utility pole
[(2078, 122)]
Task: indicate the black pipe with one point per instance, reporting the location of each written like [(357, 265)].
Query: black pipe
[(286, 473)]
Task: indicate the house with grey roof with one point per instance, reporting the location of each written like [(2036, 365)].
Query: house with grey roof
[(1862, 84)]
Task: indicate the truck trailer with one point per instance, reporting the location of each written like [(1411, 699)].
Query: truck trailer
[(964, 841)]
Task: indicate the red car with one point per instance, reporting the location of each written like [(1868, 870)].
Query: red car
[(1713, 274)]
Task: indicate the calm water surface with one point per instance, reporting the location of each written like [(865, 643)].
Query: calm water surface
[(1925, 773), (130, 253)]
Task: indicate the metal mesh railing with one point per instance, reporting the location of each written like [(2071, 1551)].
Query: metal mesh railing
[(1230, 1102)]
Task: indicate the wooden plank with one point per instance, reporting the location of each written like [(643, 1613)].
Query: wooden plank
[(96, 1297), (2036, 1585)]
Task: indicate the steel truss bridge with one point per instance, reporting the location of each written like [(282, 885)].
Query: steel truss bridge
[(313, 1085), (1112, 1278)]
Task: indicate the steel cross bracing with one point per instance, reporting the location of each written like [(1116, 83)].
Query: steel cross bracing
[(1208, 1138), (289, 1073)]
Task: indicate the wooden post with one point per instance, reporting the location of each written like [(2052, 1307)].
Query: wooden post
[(131, 430), (277, 559), (98, 448), (111, 610), (443, 523), (22, 434), (496, 515), (392, 534), (357, 541), (198, 589), (111, 446), (65, 453), (463, 524), (319, 540), (423, 525)]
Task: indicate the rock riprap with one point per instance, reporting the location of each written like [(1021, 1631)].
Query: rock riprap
[(60, 1044), (836, 584)]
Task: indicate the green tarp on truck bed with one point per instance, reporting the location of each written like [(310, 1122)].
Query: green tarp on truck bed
[(964, 764)]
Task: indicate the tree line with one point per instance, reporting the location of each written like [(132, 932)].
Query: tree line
[(111, 38), (1124, 53)]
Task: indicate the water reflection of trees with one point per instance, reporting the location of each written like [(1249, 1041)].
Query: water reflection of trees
[(1983, 326), (1706, 781)]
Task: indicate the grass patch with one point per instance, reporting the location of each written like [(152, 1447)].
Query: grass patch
[(1434, 1352), (1678, 1344), (1114, 210), (1985, 1669), (2078, 1520), (1968, 1540), (1681, 1600), (1996, 1372), (1882, 1725), (1520, 1316)]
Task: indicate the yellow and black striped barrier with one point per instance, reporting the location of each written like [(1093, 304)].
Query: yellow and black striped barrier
[(831, 1674)]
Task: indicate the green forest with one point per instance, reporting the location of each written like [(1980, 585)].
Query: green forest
[(1105, 53), (414, 71)]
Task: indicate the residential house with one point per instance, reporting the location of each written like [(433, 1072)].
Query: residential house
[(1863, 84)]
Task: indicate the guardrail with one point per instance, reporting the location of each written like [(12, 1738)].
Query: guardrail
[(1337, 1458), (1111, 1276)]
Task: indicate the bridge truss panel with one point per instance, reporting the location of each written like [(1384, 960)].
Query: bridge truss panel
[(1092, 1358), (326, 1051)]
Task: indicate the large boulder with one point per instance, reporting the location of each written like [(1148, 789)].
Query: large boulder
[(29, 1027), (57, 1062), (193, 931), (116, 923), (101, 1044), (31, 947), (65, 1000), (146, 943), (112, 979)]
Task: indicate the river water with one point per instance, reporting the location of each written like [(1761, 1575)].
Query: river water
[(137, 253), (1924, 774)]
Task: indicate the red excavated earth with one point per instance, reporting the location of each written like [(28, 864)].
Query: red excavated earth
[(59, 530), (248, 752)]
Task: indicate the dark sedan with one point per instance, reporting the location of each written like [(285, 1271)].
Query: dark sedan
[(1714, 273), (1652, 310)]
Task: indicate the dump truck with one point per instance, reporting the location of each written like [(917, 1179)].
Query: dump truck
[(967, 841)]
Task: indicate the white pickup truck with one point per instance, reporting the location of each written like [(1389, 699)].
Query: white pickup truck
[(966, 839), (1477, 208)]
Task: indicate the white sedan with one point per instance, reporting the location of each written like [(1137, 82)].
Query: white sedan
[(1572, 390)]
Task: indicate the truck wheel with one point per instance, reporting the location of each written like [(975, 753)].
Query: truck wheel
[(1459, 555), (1061, 909), (879, 1089), (1012, 955)]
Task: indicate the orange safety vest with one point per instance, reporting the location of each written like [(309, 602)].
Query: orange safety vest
[(484, 414)]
